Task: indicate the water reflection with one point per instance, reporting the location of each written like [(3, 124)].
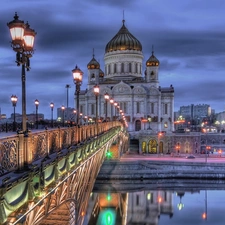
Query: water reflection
[(156, 208)]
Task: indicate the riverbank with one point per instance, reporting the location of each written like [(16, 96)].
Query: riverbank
[(139, 167)]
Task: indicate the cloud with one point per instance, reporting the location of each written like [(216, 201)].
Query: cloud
[(188, 39)]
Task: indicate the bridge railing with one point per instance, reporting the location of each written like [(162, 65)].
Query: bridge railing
[(16, 152)]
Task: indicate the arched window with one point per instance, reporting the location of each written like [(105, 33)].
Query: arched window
[(130, 67), (152, 147), (152, 108), (122, 68), (115, 71), (138, 107), (136, 68), (166, 108), (93, 77), (137, 125)]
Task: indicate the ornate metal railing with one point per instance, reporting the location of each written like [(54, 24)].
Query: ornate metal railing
[(20, 150)]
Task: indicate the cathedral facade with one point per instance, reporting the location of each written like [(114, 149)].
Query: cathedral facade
[(130, 82)]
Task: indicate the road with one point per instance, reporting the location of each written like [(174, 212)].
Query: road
[(181, 158)]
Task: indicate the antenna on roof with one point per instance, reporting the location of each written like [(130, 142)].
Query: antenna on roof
[(152, 49), (93, 52)]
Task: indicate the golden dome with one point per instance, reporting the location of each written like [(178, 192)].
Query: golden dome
[(152, 61), (93, 64), (123, 40)]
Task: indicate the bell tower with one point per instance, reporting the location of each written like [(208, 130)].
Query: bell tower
[(152, 65)]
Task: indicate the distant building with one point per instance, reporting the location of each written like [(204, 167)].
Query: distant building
[(195, 111), (30, 117), (69, 114), (3, 116)]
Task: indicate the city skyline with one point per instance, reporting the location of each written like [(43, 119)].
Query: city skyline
[(188, 40)]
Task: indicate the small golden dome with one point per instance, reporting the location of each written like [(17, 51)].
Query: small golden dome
[(152, 61), (93, 64)]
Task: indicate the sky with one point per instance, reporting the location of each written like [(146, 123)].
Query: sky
[(188, 38)]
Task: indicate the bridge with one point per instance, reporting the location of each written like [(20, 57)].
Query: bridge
[(46, 177)]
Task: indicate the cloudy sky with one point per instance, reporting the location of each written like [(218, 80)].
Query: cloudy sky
[(188, 38)]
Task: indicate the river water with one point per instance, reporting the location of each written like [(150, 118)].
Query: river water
[(143, 206)]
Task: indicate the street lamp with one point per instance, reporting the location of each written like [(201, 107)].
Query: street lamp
[(75, 112), (14, 101), (149, 121), (115, 104), (52, 107), (159, 136), (36, 102), (63, 111), (96, 92), (77, 78), (111, 102), (81, 118), (22, 43), (106, 101)]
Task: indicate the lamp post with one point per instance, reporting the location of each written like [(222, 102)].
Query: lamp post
[(111, 102), (36, 102), (96, 92), (77, 78), (121, 112), (106, 101), (52, 107), (63, 111), (14, 101), (115, 104), (75, 114), (118, 108), (159, 136), (22, 43), (81, 118), (149, 121)]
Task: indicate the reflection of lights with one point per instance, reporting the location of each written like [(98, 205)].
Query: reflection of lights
[(82, 213), (159, 199), (109, 197), (180, 206), (204, 216), (149, 196), (108, 218)]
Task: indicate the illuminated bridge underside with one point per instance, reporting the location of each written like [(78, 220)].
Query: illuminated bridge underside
[(65, 184)]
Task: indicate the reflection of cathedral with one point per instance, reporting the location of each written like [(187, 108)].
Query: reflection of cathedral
[(144, 207), (143, 101)]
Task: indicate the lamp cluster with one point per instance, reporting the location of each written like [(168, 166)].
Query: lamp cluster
[(22, 43)]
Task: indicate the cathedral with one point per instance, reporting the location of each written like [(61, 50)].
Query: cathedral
[(145, 104)]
